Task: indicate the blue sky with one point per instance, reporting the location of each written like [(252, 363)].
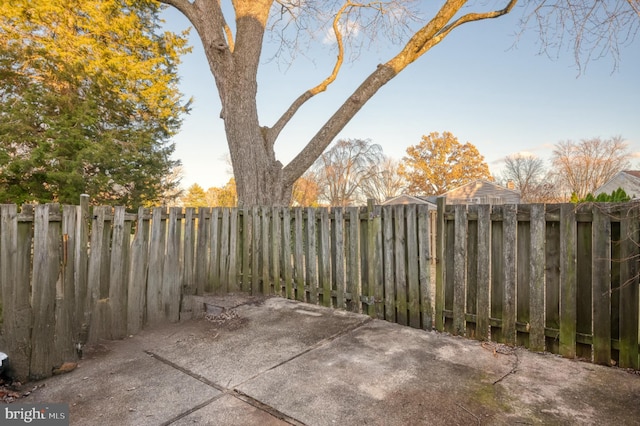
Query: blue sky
[(479, 84)]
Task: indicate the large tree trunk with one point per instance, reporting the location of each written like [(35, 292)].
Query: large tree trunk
[(258, 175)]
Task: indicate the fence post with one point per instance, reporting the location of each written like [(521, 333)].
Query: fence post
[(118, 275), (375, 291), (509, 307), (601, 282), (157, 244), (388, 262), (425, 259), (440, 263), (629, 289), (459, 270), (81, 259), (568, 275), (66, 321), (45, 274), (536, 278), (14, 287), (287, 254), (413, 277), (483, 288), (311, 253), (138, 275), (170, 275)]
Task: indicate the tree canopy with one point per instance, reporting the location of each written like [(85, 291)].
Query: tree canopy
[(233, 37), (195, 197), (440, 163), (225, 196), (88, 101)]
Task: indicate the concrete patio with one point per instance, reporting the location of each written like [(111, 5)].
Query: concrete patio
[(275, 362)]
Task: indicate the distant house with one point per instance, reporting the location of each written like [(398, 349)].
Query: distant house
[(628, 180), (482, 192), (411, 199)]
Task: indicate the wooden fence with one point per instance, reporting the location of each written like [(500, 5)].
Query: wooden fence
[(561, 278), (546, 277)]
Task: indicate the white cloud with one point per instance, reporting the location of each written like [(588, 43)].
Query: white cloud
[(349, 30)]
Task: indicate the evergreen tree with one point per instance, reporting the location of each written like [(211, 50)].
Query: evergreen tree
[(88, 101)]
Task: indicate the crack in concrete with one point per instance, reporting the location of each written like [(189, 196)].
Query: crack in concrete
[(223, 391), (512, 371), (313, 347), (236, 393)]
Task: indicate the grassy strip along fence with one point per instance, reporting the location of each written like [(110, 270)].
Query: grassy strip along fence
[(551, 277)]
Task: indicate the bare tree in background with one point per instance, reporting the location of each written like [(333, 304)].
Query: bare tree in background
[(172, 193), (386, 181), (527, 173), (341, 171), (584, 166)]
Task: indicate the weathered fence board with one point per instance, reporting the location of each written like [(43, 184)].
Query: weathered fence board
[(156, 262), (324, 257), (509, 234), (299, 254), (471, 251), (400, 269), (440, 265), (536, 278), (353, 265), (66, 324), (568, 278), (412, 260), (483, 305), (311, 256), (338, 257), (136, 288), (375, 285), (424, 267), (14, 284), (170, 297), (629, 294), (188, 259), (118, 272), (601, 282), (276, 241), (45, 275), (388, 259)]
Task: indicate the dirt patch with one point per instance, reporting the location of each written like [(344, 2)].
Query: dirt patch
[(227, 319)]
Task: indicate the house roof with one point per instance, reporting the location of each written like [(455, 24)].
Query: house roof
[(408, 199), (629, 180), (479, 185)]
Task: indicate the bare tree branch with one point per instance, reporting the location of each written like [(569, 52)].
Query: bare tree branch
[(470, 17), (273, 132), (427, 37), (593, 29)]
